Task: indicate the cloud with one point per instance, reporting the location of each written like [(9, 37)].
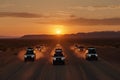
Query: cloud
[(65, 14), (92, 8), (21, 15), (59, 14), (6, 5), (85, 22)]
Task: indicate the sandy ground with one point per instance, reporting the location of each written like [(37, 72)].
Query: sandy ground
[(108, 54), (12, 66)]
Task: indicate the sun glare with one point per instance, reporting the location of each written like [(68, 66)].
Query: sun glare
[(58, 31)]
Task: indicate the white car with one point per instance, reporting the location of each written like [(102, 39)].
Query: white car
[(29, 55), (91, 54)]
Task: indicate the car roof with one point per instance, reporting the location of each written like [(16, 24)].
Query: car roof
[(80, 46), (91, 48), (58, 49), (58, 54), (29, 48)]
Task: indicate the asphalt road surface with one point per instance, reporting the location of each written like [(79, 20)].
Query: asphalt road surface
[(75, 68)]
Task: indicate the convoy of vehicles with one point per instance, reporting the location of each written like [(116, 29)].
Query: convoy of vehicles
[(90, 52), (58, 57)]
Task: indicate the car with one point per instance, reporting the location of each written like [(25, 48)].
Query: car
[(29, 55), (81, 48), (58, 58), (76, 46), (91, 54), (39, 48)]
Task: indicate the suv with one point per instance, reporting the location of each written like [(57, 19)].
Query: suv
[(39, 48), (91, 54), (81, 48), (58, 57), (29, 55)]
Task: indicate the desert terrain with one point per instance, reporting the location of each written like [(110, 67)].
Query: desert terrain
[(13, 67)]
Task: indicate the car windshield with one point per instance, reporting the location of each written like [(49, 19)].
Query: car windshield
[(80, 47), (37, 46), (58, 50), (30, 51), (58, 54), (93, 51)]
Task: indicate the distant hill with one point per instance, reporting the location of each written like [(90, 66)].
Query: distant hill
[(5, 37), (37, 36), (104, 34), (2, 36)]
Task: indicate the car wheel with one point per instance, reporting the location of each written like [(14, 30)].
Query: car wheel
[(54, 63), (33, 59), (96, 59), (25, 60), (86, 58), (63, 63)]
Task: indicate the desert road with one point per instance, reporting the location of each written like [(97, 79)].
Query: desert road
[(75, 68)]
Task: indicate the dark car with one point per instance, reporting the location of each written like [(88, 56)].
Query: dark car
[(58, 58), (39, 48), (76, 45), (91, 54), (29, 55), (81, 48)]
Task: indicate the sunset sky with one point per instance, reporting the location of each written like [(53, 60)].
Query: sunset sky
[(20, 17)]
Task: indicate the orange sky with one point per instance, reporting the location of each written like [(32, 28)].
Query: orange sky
[(18, 17)]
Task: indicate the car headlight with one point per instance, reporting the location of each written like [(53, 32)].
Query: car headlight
[(33, 56), (54, 58), (63, 58), (88, 55), (96, 54), (25, 56)]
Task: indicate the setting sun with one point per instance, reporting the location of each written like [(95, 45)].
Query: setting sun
[(58, 31)]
